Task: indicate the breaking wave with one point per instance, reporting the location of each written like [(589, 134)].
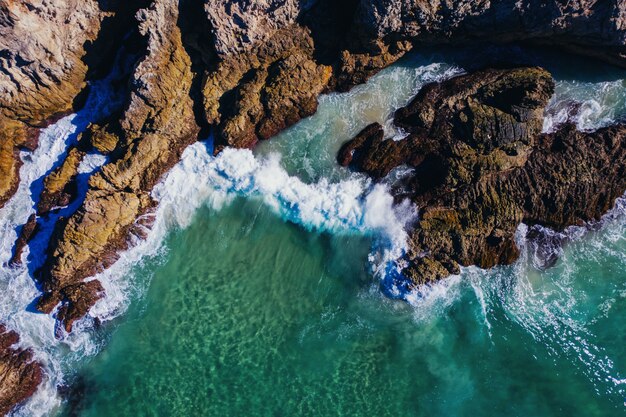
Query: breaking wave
[(352, 205)]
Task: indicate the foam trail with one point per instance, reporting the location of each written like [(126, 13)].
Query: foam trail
[(549, 305), (354, 205), (17, 288), (589, 105)]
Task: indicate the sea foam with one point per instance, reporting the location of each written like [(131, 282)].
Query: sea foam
[(353, 205)]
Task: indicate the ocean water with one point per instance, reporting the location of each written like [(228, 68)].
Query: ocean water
[(259, 290)]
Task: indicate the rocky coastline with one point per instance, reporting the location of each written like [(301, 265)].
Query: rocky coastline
[(245, 71), (480, 167)]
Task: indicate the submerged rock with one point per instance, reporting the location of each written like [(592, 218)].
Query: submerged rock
[(19, 373), (481, 166)]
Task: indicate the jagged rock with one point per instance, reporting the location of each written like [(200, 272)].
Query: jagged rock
[(79, 299), (101, 138), (157, 125), (26, 234), (481, 167), (591, 27), (11, 134), (239, 24), (19, 373), (250, 69), (256, 94), (60, 186), (42, 44)]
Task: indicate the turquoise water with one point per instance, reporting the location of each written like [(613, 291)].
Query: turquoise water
[(253, 316), (245, 314)]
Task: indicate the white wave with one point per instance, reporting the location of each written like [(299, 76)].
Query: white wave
[(589, 105), (16, 284), (552, 305), (17, 287), (355, 205)]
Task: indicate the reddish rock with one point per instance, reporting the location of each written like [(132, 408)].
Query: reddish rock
[(19, 373), (26, 234)]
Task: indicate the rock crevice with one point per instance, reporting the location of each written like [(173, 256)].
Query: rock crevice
[(481, 166)]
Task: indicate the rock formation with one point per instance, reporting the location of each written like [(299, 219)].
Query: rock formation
[(481, 166), (19, 373), (156, 127), (42, 44), (26, 234), (248, 69), (590, 27), (60, 186)]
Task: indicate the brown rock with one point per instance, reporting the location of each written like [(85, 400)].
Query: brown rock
[(157, 125), (79, 299), (19, 373), (482, 167), (41, 71), (251, 69), (258, 93), (26, 234), (59, 186), (11, 135), (101, 138)]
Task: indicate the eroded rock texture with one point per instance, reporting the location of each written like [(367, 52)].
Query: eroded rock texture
[(157, 125), (592, 27), (19, 373), (481, 166), (42, 44), (247, 70)]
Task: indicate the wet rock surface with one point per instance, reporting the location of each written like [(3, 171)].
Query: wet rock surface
[(247, 70), (42, 44), (19, 373), (28, 231), (481, 166), (60, 185), (156, 126)]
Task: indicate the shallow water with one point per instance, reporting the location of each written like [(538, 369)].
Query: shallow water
[(258, 290), (254, 316)]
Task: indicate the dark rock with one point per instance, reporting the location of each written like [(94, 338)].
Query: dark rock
[(481, 166), (19, 373), (26, 234), (79, 299)]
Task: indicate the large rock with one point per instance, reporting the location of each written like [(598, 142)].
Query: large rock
[(248, 70), (60, 185), (481, 166), (19, 373), (240, 24), (383, 29), (42, 44), (256, 94), (157, 125)]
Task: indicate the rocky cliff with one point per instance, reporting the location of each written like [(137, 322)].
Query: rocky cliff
[(19, 373), (42, 45), (245, 70)]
